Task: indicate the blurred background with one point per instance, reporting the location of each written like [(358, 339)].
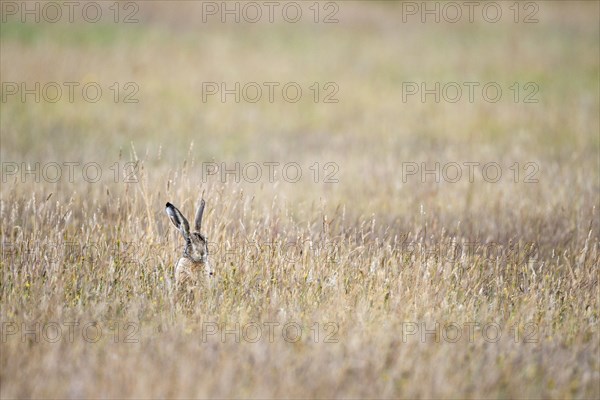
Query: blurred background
[(164, 70)]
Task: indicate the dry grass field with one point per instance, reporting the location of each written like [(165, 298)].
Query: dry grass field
[(367, 242)]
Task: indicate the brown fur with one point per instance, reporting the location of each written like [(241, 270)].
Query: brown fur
[(193, 266)]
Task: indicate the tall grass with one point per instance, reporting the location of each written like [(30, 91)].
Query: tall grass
[(371, 286)]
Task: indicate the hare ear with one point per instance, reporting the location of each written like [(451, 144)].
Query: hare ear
[(178, 220), (198, 221)]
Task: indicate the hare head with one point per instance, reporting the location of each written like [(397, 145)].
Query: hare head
[(196, 244)]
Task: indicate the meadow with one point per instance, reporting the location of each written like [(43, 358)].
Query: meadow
[(395, 208)]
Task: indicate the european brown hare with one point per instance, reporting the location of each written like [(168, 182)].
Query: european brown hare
[(193, 264)]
